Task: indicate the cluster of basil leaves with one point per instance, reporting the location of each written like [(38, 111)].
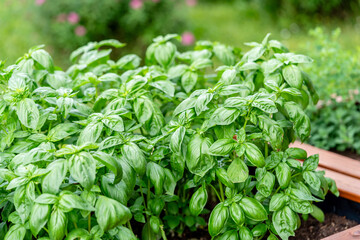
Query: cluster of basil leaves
[(115, 150)]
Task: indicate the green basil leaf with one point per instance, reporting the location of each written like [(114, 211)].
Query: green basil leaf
[(111, 213), (292, 75), (202, 101), (156, 175), (164, 53), (39, 217), (312, 179), (57, 224), (52, 181), (283, 175), (78, 234), (238, 171), (44, 59), (28, 113), (177, 139), (317, 213), (218, 218), (82, 168), (222, 147), (224, 116), (198, 201), (125, 234), (278, 201), (111, 163), (17, 232), (90, 133), (237, 214), (311, 163), (69, 201), (254, 155), (135, 157), (62, 131), (224, 178), (266, 184), (253, 209), (198, 159), (285, 222), (189, 80), (166, 86), (259, 230), (245, 233)]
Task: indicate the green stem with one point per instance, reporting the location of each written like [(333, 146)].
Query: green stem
[(277, 190), (129, 225), (266, 149), (221, 191), (163, 232), (89, 222), (142, 195), (75, 225), (216, 192)]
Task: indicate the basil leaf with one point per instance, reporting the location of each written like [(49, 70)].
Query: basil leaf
[(38, 218), (198, 159), (283, 175), (82, 168), (90, 133), (17, 232), (218, 218), (52, 181), (62, 131), (177, 139), (285, 222), (254, 155), (278, 201), (135, 157), (253, 209), (292, 76), (238, 171), (156, 175), (222, 147), (237, 214), (28, 113), (198, 201), (57, 224), (111, 213), (111, 163), (266, 184)]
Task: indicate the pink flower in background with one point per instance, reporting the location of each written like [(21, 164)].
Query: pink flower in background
[(40, 2), (187, 38), (339, 99), (61, 17), (80, 30), (191, 3), (136, 4), (73, 18)]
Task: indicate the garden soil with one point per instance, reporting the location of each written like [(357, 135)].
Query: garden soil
[(309, 230)]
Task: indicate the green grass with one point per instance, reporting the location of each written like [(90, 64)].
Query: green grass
[(235, 24), (232, 24)]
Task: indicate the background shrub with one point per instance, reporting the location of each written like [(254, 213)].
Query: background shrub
[(70, 24)]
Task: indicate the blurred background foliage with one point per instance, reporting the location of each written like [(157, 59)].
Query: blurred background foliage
[(308, 27)]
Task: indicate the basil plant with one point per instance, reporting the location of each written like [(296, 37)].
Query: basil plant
[(118, 150)]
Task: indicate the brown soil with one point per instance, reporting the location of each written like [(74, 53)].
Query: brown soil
[(314, 230), (309, 230)]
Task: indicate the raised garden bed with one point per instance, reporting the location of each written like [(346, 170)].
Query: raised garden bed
[(344, 170), (346, 173)]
